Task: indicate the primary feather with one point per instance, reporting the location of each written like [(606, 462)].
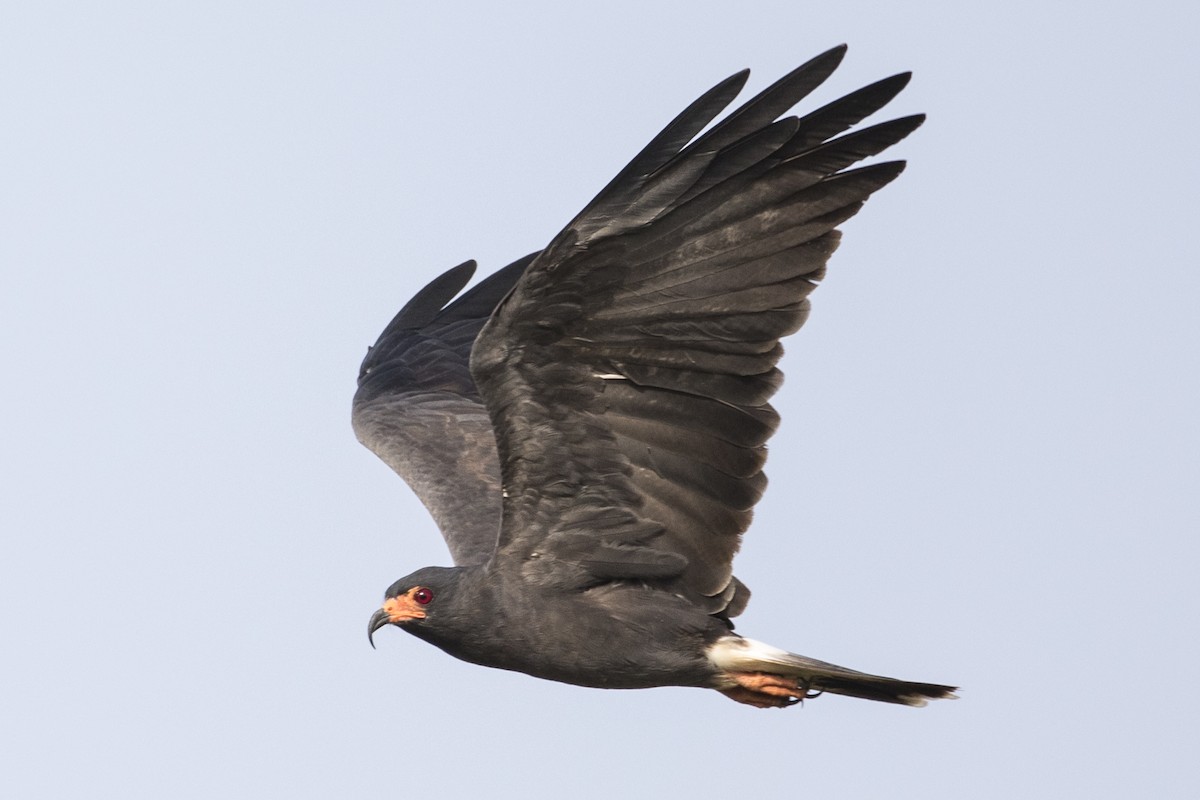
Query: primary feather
[(615, 416)]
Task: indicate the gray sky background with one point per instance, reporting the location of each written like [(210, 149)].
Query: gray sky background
[(987, 474)]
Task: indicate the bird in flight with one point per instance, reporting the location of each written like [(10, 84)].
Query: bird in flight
[(588, 426)]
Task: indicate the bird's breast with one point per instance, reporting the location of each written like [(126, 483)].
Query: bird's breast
[(617, 636)]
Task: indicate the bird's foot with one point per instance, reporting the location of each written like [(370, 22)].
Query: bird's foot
[(764, 690)]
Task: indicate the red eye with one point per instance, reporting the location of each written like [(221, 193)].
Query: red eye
[(423, 596)]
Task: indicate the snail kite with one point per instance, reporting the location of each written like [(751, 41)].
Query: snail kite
[(588, 425)]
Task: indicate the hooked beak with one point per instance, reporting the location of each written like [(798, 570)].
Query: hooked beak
[(378, 620), (399, 610)]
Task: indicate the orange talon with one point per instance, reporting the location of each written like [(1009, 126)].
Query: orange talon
[(764, 690)]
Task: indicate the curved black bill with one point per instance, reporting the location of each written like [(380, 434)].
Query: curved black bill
[(378, 620)]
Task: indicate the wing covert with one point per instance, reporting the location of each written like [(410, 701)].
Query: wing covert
[(629, 373)]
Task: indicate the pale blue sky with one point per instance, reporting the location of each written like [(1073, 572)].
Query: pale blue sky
[(987, 473)]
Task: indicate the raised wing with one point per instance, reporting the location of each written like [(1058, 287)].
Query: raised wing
[(417, 407), (629, 373)]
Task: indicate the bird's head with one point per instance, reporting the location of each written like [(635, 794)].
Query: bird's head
[(416, 600)]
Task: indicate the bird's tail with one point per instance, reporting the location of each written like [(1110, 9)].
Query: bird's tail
[(753, 671)]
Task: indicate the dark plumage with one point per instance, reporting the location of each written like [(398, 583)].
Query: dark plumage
[(588, 426)]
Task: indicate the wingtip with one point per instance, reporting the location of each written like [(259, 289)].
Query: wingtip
[(834, 54), (897, 82), (825, 64), (425, 305), (736, 81)]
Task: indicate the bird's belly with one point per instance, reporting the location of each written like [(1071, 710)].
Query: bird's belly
[(610, 644)]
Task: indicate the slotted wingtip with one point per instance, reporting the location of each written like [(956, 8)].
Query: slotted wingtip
[(426, 304), (740, 77), (827, 62)]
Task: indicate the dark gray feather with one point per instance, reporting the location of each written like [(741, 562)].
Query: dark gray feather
[(418, 409), (629, 373)]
